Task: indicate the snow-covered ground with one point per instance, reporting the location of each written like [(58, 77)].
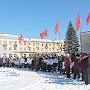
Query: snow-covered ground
[(17, 79)]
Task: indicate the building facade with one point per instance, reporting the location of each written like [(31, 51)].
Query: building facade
[(10, 46), (85, 42)]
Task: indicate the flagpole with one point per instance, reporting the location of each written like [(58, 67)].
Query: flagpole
[(80, 40), (57, 30), (59, 42), (47, 44), (77, 27)]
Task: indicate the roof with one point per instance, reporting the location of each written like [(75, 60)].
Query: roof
[(85, 32), (30, 39), (8, 35), (42, 40)]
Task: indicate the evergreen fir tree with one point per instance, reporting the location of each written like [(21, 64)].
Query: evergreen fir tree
[(71, 42)]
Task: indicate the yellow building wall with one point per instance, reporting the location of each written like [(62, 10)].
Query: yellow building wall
[(28, 46)]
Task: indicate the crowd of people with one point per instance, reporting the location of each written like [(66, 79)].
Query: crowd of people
[(79, 66), (75, 65)]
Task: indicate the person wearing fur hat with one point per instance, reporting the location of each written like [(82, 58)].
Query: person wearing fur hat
[(76, 67)]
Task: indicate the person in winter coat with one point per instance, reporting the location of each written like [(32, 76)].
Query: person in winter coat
[(85, 69), (77, 66), (67, 65)]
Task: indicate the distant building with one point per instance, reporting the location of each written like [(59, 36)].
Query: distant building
[(10, 46), (85, 42)]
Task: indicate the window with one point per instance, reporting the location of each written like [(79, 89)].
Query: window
[(29, 43), (33, 44), (61, 49), (4, 47), (89, 44), (88, 37), (24, 48), (38, 48), (20, 48), (57, 44), (42, 49), (10, 55), (4, 43), (10, 48), (57, 49), (50, 49), (54, 44), (10, 43), (4, 55), (42, 44), (15, 55), (86, 44), (37, 43), (29, 55), (20, 43), (15, 48), (46, 46), (33, 49), (24, 55), (15, 45), (61, 44), (24, 43), (53, 49), (29, 48), (50, 44)]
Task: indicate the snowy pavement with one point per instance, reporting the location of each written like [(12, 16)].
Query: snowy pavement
[(16, 79)]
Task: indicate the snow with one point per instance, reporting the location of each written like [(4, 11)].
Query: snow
[(24, 79)]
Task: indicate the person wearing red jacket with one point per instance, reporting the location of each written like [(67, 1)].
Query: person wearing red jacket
[(77, 66), (67, 63)]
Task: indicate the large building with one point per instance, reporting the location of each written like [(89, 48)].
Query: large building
[(10, 46), (85, 42)]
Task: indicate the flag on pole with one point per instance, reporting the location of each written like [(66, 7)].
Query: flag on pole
[(77, 22), (88, 19), (20, 38), (56, 27), (44, 34)]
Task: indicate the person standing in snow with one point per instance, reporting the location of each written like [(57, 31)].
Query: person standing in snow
[(63, 67), (85, 68), (60, 64), (77, 66), (67, 65)]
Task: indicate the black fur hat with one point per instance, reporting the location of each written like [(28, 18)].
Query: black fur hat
[(78, 55)]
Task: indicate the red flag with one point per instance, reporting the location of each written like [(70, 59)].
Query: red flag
[(20, 39), (77, 22), (44, 34), (88, 19), (56, 27)]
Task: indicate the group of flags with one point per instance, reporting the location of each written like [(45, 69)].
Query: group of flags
[(78, 21), (45, 32)]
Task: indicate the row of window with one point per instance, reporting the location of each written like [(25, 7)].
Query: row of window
[(42, 49), (28, 43), (15, 48), (15, 55), (14, 44)]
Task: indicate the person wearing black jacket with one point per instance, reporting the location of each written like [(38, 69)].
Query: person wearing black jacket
[(85, 69)]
